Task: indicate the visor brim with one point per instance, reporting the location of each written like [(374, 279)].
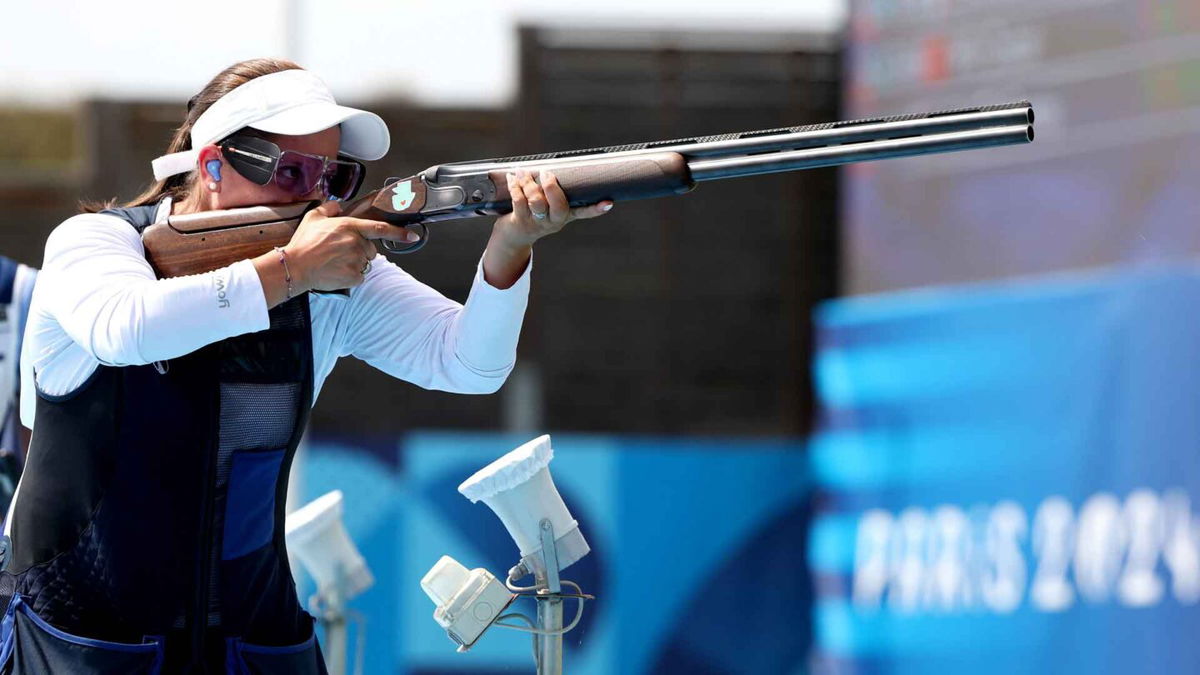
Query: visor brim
[(364, 134)]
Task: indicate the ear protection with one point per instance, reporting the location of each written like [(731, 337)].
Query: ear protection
[(214, 168)]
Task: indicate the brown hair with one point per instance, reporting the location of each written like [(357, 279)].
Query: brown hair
[(179, 185)]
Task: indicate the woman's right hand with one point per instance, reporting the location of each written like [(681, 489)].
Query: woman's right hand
[(329, 252)]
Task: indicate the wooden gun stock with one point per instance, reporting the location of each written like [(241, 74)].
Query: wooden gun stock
[(202, 242)]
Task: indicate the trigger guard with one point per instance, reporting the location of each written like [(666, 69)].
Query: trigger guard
[(395, 247)]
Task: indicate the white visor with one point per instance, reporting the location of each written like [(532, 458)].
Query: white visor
[(290, 102)]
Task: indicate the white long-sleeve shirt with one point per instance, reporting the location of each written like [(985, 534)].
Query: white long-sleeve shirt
[(97, 302)]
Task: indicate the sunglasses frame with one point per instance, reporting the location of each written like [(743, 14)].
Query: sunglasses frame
[(257, 159)]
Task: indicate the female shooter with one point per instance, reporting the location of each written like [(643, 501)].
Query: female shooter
[(147, 531)]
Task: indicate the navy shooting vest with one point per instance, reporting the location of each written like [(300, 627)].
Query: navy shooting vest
[(147, 532)]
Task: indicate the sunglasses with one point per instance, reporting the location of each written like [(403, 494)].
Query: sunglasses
[(261, 162)]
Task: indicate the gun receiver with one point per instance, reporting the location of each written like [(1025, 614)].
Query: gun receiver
[(201, 242)]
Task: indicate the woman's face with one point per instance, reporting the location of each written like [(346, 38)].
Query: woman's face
[(233, 190)]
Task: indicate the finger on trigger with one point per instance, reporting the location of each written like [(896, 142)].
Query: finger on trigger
[(400, 233), (372, 229)]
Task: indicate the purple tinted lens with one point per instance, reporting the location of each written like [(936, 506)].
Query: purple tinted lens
[(298, 173), (341, 179)]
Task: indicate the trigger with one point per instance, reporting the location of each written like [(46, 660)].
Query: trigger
[(398, 247)]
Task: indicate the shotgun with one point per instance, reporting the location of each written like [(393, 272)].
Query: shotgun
[(201, 242)]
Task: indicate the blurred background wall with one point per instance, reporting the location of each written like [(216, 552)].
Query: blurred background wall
[(915, 416), (1108, 180)]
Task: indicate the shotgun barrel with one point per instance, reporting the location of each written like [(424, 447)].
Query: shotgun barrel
[(830, 134)]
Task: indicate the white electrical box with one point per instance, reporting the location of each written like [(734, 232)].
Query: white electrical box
[(467, 601)]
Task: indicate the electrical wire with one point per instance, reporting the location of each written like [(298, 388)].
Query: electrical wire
[(537, 659), (578, 615), (522, 589), (532, 590), (515, 615)]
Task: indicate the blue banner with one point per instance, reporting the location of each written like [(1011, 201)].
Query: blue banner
[(1008, 474), (697, 558)]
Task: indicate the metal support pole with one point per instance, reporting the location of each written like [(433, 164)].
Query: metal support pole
[(335, 642), (549, 617), (549, 608)]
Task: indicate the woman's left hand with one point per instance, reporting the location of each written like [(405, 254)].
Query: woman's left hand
[(540, 207)]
